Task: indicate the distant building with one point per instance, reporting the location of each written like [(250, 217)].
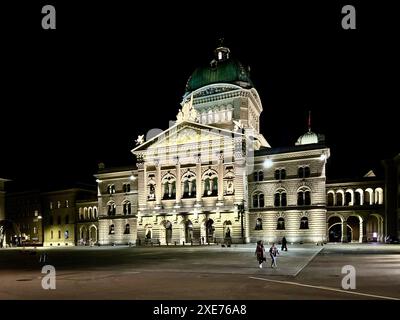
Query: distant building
[(356, 210), (60, 212), (24, 209), (118, 206), (87, 222)]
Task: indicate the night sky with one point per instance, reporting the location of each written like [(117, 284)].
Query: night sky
[(81, 94)]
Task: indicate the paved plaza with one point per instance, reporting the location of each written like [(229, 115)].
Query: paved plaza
[(202, 272)]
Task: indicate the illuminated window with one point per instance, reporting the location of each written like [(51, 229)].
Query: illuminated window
[(258, 224), (304, 223), (304, 197), (304, 172), (281, 224), (112, 229), (280, 198)]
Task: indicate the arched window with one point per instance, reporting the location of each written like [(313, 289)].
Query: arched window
[(59, 234), (59, 220), (66, 234), (127, 208), (58, 204), (111, 189), (90, 212), (303, 197), (261, 175), (67, 219), (169, 184), (210, 178), (215, 187), (127, 229), (261, 200), (369, 196), (112, 229), (255, 201), (280, 199), (378, 196), (255, 176), (111, 209), (51, 220), (95, 212), (304, 172), (258, 224), (330, 199), (280, 174), (348, 198), (304, 223), (339, 198), (258, 200), (51, 234), (357, 199), (281, 224), (126, 187), (189, 184)]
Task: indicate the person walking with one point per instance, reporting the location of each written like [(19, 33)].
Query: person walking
[(284, 244), (260, 253), (273, 252)]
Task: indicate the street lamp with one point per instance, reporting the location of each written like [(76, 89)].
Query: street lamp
[(241, 212)]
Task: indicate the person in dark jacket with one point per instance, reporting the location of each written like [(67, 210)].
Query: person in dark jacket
[(284, 244), (260, 253)]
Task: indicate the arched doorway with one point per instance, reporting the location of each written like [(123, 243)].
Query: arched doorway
[(83, 236), (374, 228), (335, 229), (168, 231), (209, 228), (93, 234), (188, 231), (353, 223), (228, 232)]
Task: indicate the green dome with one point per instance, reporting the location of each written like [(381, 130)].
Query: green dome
[(220, 71)]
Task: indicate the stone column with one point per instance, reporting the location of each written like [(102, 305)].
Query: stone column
[(344, 230), (178, 184), (145, 183), (361, 232), (199, 190), (142, 197), (220, 180), (158, 185)]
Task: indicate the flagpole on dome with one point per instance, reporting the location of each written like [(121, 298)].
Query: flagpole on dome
[(309, 120)]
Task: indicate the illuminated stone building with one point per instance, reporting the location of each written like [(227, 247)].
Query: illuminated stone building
[(213, 177)]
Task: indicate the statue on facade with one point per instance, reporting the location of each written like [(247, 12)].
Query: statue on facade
[(238, 125), (188, 112), (140, 140)]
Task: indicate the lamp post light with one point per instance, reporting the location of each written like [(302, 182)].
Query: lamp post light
[(241, 212)]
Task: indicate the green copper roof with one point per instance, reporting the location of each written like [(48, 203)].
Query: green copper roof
[(227, 71)]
